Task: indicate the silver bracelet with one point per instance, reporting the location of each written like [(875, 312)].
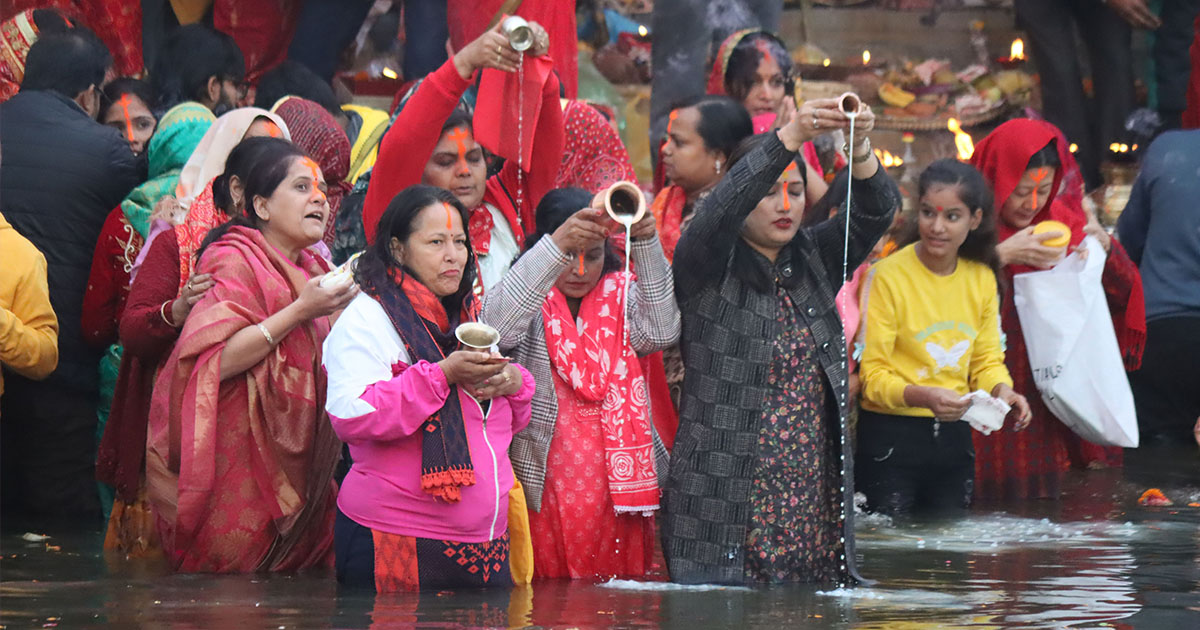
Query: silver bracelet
[(266, 333)]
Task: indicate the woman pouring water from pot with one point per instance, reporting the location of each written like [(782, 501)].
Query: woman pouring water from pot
[(428, 425), (761, 475), (590, 460)]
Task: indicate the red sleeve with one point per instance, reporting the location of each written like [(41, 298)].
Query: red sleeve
[(547, 156), (101, 300), (143, 331), (1126, 303), (406, 147)]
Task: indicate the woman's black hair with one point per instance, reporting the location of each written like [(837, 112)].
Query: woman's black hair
[(375, 269), (245, 155), (972, 189), (458, 118), (1047, 157), (112, 93), (723, 122), (192, 55), (742, 70), (555, 208), (292, 78), (266, 162)]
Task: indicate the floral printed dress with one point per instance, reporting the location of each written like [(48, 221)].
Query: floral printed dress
[(793, 534)]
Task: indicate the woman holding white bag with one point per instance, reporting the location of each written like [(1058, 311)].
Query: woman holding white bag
[(1035, 179)]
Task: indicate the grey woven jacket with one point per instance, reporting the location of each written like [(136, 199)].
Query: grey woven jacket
[(727, 343), (514, 307)]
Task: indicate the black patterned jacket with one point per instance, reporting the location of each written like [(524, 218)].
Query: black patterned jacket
[(727, 343)]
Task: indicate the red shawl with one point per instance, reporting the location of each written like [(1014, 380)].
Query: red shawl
[(600, 367), (318, 134), (668, 217), (239, 472), (202, 217)]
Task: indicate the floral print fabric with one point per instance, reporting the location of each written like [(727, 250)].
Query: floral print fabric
[(793, 533)]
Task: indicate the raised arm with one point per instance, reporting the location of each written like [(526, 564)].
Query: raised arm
[(653, 313), (406, 147), (517, 299), (547, 148), (875, 199), (716, 226)]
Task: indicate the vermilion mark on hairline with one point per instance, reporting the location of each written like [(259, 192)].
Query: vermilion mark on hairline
[(671, 120), (459, 136), (128, 121), (449, 215), (316, 176)]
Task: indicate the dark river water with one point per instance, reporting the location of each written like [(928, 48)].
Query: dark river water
[(1095, 559)]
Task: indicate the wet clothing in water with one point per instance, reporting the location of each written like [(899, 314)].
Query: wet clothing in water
[(390, 563), (1030, 463), (240, 471), (729, 342), (907, 464), (561, 458)]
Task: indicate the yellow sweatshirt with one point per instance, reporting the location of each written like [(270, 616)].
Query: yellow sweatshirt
[(366, 145), (28, 326), (929, 330)]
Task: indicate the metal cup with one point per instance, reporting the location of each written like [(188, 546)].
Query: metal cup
[(517, 30), (849, 104), (477, 336)]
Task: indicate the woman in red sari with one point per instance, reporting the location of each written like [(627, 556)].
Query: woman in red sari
[(240, 454), (594, 157), (1035, 178)]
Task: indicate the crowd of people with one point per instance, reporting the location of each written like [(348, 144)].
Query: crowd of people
[(235, 328)]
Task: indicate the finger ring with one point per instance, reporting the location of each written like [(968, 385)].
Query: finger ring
[(814, 121)]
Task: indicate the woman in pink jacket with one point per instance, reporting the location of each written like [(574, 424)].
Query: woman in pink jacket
[(425, 504)]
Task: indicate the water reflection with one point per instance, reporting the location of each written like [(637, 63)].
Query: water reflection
[(1092, 560)]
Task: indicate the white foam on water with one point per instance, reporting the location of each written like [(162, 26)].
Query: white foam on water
[(912, 598), (995, 533), (635, 585)]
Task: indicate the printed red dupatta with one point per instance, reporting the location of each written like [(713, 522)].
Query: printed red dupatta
[(596, 363), (240, 471)]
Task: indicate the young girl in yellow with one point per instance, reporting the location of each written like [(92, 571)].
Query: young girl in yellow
[(932, 336)]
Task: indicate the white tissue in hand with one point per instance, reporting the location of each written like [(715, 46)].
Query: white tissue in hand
[(342, 275), (986, 413)]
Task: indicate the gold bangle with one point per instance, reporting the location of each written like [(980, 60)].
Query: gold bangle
[(162, 310), (266, 333)]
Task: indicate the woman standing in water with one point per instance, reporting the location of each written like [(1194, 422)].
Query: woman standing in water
[(1035, 178), (589, 460), (761, 475)]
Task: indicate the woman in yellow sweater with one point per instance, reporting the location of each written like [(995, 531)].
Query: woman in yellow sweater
[(932, 336)]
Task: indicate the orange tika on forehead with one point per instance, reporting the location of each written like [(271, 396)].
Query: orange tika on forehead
[(449, 215), (316, 177), (789, 175), (128, 121), (671, 120), (1037, 178)]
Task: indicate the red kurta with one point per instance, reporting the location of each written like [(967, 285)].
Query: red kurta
[(408, 145), (108, 284), (578, 533)]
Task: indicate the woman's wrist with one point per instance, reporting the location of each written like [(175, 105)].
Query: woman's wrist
[(462, 66)]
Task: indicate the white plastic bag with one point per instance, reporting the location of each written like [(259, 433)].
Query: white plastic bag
[(1073, 350)]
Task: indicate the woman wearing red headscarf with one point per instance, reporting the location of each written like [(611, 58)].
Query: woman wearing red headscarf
[(1035, 178)]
